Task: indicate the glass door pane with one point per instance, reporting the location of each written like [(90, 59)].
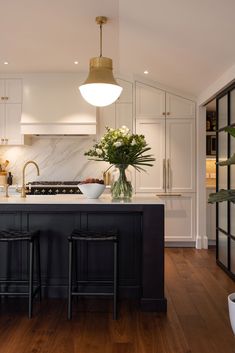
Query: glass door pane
[(223, 249), (232, 107), (223, 112)]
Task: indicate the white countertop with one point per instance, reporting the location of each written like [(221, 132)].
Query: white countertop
[(78, 199)]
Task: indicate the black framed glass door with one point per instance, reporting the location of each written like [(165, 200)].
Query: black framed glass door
[(225, 179)]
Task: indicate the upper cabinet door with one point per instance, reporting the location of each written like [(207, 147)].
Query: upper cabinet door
[(2, 123), (2, 91), (178, 107), (13, 117), (180, 155), (13, 91), (154, 178), (150, 102), (126, 95)]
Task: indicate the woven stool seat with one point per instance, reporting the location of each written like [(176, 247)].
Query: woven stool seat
[(87, 235), (14, 235)]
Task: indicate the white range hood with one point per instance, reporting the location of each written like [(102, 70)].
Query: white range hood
[(52, 105)]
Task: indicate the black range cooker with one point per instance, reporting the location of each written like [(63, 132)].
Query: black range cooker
[(53, 188)]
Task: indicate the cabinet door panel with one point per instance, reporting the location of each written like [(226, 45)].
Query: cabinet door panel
[(150, 102), (124, 115), (106, 117), (14, 91), (13, 117), (126, 95), (2, 122), (180, 154), (178, 107), (179, 217), (2, 91), (154, 132)]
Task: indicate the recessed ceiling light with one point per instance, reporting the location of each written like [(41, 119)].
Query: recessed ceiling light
[(146, 72), (6, 62), (75, 62)]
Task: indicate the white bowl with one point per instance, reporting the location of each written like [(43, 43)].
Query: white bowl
[(92, 190)]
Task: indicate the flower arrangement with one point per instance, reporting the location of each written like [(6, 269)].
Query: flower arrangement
[(121, 148)]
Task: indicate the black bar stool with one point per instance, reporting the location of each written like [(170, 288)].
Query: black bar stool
[(92, 236), (32, 238)]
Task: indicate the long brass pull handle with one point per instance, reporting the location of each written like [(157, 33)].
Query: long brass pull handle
[(168, 195), (168, 174), (164, 174)]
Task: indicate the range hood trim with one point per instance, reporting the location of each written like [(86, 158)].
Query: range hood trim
[(60, 128)]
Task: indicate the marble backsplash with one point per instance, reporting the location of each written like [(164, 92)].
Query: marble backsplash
[(59, 159)]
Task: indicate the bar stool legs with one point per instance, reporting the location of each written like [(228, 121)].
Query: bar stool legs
[(70, 280), (115, 280), (31, 266), (87, 236)]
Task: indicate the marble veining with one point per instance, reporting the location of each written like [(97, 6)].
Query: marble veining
[(59, 158)]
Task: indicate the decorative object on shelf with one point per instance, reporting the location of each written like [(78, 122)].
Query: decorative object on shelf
[(121, 148), (100, 88), (225, 195), (231, 309), (210, 121)]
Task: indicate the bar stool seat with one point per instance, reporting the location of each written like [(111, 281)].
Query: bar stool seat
[(93, 236), (32, 239)]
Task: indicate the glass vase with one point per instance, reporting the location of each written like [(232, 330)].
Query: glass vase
[(121, 188)]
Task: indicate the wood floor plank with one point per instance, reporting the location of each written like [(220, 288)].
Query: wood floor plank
[(196, 321)]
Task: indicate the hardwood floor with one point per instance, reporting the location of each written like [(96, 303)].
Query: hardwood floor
[(196, 321)]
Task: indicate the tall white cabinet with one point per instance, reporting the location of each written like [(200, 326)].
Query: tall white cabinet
[(119, 113), (10, 112), (168, 123)]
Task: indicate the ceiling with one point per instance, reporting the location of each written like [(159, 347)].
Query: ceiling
[(183, 44)]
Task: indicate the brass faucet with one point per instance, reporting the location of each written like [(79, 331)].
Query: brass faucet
[(6, 190), (23, 190)]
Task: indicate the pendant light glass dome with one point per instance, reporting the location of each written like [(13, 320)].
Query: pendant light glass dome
[(100, 88)]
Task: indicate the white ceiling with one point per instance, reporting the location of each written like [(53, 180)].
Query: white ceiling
[(186, 44)]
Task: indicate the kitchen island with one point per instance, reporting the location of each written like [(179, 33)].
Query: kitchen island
[(141, 248)]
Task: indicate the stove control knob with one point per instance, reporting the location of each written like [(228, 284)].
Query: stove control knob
[(71, 191), (50, 191), (64, 191), (57, 191), (43, 191)]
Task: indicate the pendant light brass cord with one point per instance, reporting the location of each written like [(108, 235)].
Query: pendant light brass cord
[(100, 39)]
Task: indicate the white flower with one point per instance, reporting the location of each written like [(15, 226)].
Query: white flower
[(124, 130), (133, 143), (117, 144), (98, 151)]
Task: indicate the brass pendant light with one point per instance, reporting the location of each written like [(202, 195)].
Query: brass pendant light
[(100, 88)]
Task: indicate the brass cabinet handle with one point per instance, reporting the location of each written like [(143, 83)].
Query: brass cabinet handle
[(164, 113), (6, 140), (2, 140), (2, 98), (164, 174), (168, 173), (168, 113), (168, 195), (6, 98)]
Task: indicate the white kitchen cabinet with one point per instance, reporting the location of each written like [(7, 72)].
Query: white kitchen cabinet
[(153, 180), (127, 92), (179, 107), (10, 111), (119, 113), (150, 102), (180, 155), (172, 141), (179, 217)]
